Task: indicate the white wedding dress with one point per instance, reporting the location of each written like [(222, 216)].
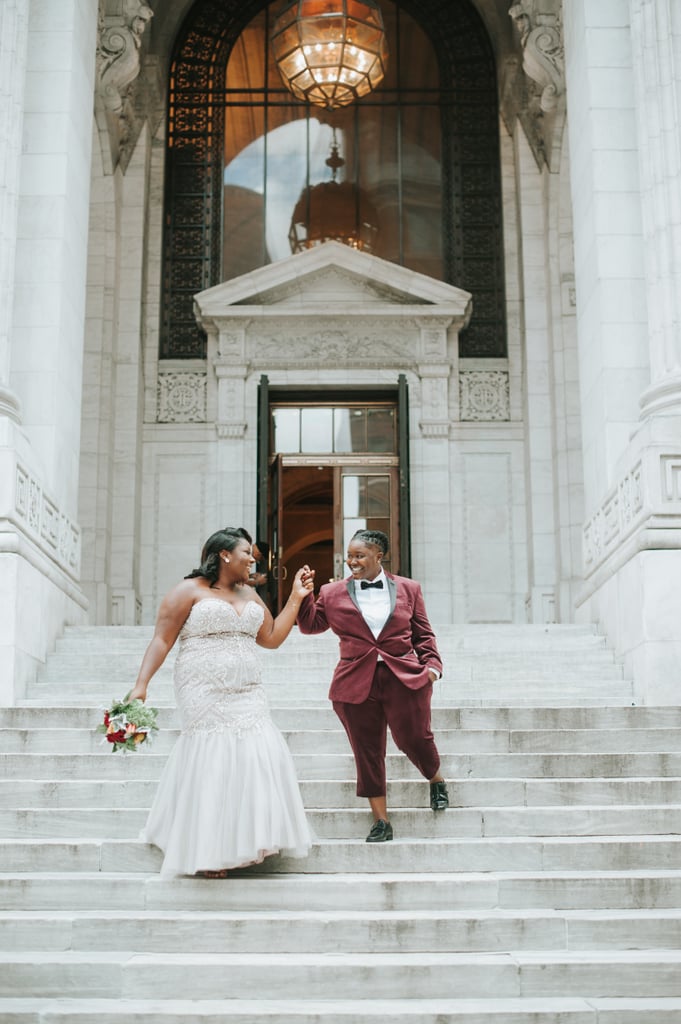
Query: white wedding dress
[(228, 795)]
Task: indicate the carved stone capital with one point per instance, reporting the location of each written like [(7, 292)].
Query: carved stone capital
[(118, 49)]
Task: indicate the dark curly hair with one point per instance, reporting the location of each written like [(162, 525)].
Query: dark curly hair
[(224, 540), (376, 538)]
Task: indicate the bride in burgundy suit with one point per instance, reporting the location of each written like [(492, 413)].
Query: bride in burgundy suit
[(388, 663)]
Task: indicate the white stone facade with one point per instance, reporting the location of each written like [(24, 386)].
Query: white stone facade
[(551, 477)]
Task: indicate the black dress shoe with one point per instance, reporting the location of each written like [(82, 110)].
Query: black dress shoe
[(439, 797), (381, 832)]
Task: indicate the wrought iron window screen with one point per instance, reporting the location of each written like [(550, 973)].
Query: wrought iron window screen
[(471, 182)]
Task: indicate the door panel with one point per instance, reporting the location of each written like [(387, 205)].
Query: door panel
[(276, 529)]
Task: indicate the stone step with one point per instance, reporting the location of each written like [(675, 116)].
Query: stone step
[(349, 823), (546, 1010), (145, 764), (526, 853), (353, 822), (308, 741), (521, 693), (321, 716), (330, 976), (586, 890), (491, 634), (130, 793), (330, 931)]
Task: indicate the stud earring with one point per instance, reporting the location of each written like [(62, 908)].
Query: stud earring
[(226, 560)]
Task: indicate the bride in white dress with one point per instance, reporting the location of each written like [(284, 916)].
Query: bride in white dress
[(228, 795)]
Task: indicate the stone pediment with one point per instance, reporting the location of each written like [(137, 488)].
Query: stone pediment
[(331, 278)]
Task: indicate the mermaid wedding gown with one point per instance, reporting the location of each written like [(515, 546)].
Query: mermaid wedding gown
[(228, 795)]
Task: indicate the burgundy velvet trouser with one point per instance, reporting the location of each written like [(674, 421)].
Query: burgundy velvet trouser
[(407, 712)]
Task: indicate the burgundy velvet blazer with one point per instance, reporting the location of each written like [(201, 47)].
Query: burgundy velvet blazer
[(406, 643)]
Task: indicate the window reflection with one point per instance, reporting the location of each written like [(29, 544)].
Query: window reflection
[(366, 505), (277, 148), (316, 430), (286, 429)]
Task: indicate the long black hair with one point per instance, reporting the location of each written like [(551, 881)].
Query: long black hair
[(223, 540)]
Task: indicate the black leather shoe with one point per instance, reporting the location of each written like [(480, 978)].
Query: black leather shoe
[(439, 797), (381, 832)]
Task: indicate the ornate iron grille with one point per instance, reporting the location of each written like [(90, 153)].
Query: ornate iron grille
[(472, 222)]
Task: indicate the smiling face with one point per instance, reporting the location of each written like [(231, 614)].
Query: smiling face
[(240, 560), (364, 560)]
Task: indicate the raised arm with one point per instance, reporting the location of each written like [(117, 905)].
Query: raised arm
[(172, 613), (273, 632)]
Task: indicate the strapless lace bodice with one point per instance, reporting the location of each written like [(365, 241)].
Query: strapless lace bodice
[(217, 669), (211, 616)]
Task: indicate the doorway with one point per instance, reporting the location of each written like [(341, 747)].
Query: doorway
[(333, 469)]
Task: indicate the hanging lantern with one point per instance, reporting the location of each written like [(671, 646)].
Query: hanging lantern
[(335, 211), (330, 52)]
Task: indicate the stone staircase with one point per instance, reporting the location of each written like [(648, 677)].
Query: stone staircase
[(549, 893)]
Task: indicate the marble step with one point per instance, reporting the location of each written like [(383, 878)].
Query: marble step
[(145, 764), (332, 931), (309, 741), (354, 823), (546, 1010), (521, 891), (321, 716), (496, 636), (331, 976), (526, 853), (521, 693), (504, 792)]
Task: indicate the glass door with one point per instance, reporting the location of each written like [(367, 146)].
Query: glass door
[(332, 467), (367, 501)]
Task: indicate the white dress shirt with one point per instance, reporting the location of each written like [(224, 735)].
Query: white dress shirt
[(374, 604)]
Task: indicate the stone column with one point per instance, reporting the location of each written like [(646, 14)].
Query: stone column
[(632, 538), (39, 463), (656, 43), (13, 38)]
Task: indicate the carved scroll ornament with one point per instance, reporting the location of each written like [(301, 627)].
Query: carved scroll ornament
[(541, 37), (118, 50)]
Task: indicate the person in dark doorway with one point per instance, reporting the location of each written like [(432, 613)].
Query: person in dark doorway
[(259, 578), (388, 663)]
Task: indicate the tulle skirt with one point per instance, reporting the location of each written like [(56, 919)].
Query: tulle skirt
[(227, 799)]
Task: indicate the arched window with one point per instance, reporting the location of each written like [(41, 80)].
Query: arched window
[(415, 164)]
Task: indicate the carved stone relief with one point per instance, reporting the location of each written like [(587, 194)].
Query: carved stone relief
[(333, 346), (181, 398), (54, 532), (614, 519), (484, 395)]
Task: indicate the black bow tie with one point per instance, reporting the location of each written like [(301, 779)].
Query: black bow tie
[(365, 585)]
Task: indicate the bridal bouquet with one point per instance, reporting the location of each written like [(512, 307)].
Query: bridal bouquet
[(127, 724)]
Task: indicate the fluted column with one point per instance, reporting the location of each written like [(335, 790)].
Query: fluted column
[(13, 37), (656, 45)]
